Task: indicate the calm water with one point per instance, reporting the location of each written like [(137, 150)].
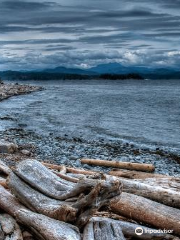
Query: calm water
[(144, 112)]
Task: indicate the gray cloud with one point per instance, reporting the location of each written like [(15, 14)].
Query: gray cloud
[(81, 33)]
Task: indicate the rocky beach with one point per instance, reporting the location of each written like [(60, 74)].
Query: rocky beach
[(68, 150), (8, 90)]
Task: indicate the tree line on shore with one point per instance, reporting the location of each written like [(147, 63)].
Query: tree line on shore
[(14, 75)]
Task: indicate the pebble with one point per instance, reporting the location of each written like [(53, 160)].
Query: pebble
[(26, 152)]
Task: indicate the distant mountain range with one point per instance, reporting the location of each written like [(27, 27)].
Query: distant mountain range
[(116, 68), (109, 68)]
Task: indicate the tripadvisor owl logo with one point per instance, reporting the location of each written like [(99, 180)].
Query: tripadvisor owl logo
[(139, 231)]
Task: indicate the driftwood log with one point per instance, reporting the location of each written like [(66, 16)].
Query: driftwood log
[(147, 211), (168, 194), (162, 195), (8, 203), (10, 228), (128, 229), (124, 165), (134, 174), (60, 168), (102, 229), (159, 180), (68, 210), (45, 181), (45, 228), (166, 182), (68, 169), (149, 178), (40, 203)]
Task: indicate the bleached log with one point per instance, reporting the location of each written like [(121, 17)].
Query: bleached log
[(128, 230), (102, 229), (40, 203), (8, 203), (43, 227), (166, 196), (61, 210), (147, 211), (69, 169), (160, 180), (46, 228), (123, 165), (43, 180), (130, 174), (167, 183)]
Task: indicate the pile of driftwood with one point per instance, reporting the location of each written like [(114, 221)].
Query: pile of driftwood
[(52, 202)]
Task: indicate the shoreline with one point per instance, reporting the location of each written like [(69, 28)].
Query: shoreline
[(8, 90), (68, 151)]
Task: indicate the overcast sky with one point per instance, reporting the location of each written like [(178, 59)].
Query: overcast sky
[(83, 33)]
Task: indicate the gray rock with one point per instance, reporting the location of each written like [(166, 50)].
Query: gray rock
[(7, 147), (26, 152)]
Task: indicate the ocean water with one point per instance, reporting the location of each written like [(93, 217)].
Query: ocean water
[(142, 112)]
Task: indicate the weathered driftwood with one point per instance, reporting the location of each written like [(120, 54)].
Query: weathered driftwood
[(166, 196), (46, 228), (124, 165), (68, 169), (4, 168), (61, 210), (8, 203), (10, 228), (134, 174), (106, 192), (40, 203), (43, 227), (147, 211), (167, 183), (81, 171), (128, 229), (43, 180), (149, 178), (103, 229)]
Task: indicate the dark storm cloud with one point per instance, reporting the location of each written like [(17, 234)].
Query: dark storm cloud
[(83, 32), (22, 5)]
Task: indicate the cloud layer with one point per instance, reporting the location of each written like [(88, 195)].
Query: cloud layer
[(83, 33)]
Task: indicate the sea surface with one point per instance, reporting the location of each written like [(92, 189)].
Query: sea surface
[(141, 112)]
